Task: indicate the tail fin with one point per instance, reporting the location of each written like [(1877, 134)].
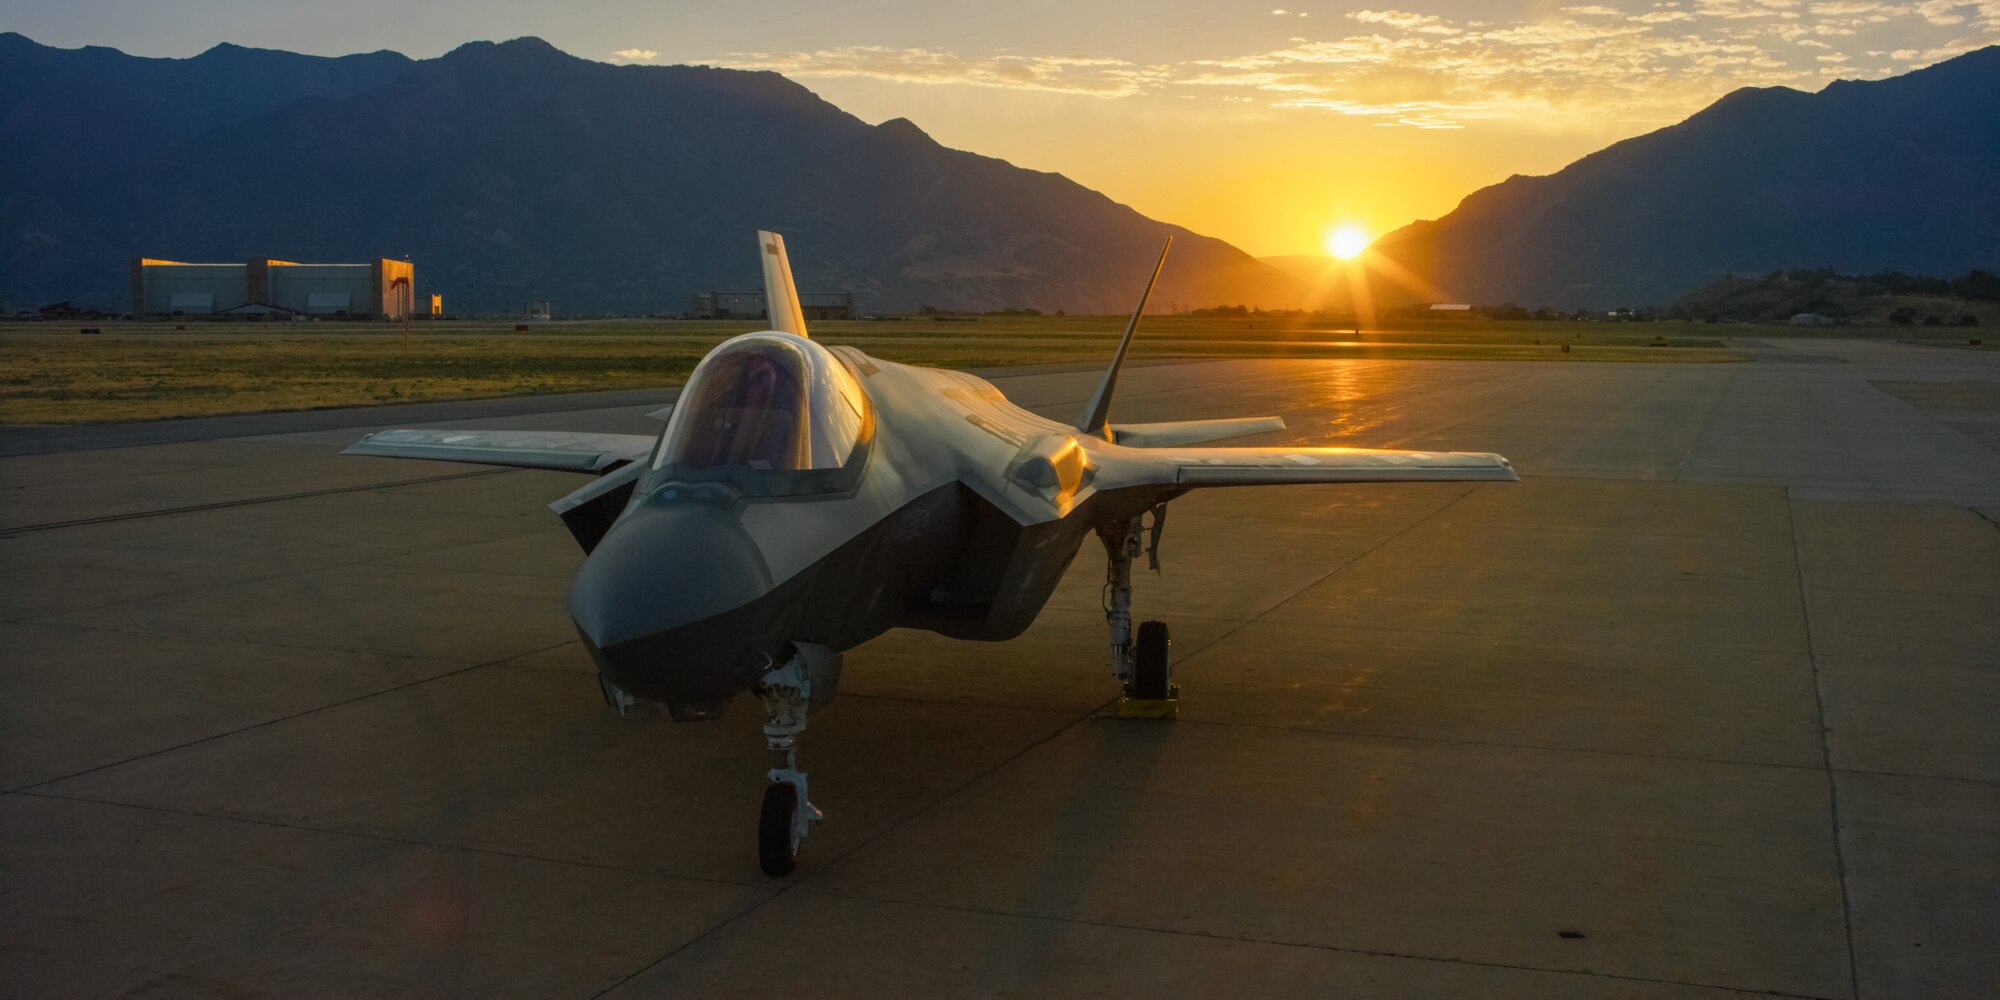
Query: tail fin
[(1097, 414), (781, 297)]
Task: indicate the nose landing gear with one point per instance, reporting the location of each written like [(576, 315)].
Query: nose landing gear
[(806, 681)]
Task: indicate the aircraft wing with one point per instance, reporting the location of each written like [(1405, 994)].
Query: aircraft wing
[(559, 450), (1280, 465)]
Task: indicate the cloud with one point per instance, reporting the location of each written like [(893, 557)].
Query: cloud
[(1613, 60), (1081, 75), (635, 55), (1940, 12), (1426, 23)]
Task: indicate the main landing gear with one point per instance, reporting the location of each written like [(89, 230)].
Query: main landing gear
[(1143, 665), (805, 682)]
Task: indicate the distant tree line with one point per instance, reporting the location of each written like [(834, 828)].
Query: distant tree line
[(1975, 285), (933, 311)]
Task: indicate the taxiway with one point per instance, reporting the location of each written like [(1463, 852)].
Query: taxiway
[(1704, 706)]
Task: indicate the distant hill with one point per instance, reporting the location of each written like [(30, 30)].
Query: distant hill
[(1898, 174), (1873, 299), (504, 167)]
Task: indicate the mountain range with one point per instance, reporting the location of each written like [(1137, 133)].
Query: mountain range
[(514, 170), (1901, 174), (511, 170)]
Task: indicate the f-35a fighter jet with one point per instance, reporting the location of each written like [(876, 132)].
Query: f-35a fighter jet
[(804, 499)]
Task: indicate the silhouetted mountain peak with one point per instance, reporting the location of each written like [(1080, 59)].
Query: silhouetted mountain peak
[(905, 130), (526, 50), (1862, 176)]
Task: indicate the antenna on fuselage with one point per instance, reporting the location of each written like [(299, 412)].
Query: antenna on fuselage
[(781, 297), (1096, 417)]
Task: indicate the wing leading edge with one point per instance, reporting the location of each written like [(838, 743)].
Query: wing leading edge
[(557, 450)]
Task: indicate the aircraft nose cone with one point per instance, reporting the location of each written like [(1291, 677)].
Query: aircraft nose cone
[(662, 569)]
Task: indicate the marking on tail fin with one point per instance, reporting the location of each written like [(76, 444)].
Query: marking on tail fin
[(1097, 413), (781, 296)]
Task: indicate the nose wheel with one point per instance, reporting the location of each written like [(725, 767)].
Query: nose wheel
[(777, 848), (787, 815), (784, 822)]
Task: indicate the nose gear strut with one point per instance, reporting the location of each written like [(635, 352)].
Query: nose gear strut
[(788, 815)]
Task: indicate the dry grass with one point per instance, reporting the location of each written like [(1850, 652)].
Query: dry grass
[(153, 370)]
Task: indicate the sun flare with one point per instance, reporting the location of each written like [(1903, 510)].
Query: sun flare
[(1346, 242)]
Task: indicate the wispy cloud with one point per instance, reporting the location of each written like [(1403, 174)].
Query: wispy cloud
[(1402, 19), (634, 55), (1084, 75), (1633, 60)]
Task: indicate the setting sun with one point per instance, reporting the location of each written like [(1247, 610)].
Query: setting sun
[(1346, 242)]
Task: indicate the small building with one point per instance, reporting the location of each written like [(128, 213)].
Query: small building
[(264, 288), (1810, 319), (751, 305)]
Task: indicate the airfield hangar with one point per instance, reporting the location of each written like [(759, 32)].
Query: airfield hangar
[(261, 288), (751, 305)]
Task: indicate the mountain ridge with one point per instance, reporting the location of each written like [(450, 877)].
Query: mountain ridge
[(510, 167), (1893, 174)]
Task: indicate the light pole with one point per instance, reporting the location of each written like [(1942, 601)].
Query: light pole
[(404, 281)]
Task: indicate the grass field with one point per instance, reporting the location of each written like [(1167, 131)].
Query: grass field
[(131, 371)]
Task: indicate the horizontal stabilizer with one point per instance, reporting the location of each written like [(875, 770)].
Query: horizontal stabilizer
[(1283, 466), (1178, 433), (558, 450)]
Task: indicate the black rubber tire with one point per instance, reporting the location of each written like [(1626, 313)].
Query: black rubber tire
[(1152, 670), (777, 852)]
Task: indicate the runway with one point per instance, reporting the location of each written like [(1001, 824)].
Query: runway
[(1704, 706)]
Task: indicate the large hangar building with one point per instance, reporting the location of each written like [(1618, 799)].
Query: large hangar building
[(261, 287), (751, 305)]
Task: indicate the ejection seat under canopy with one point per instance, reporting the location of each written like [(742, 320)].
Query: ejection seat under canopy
[(768, 402)]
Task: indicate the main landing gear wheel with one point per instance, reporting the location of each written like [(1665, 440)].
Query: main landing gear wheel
[(777, 843), (1140, 661), (1152, 671)]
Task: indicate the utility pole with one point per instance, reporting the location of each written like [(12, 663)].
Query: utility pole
[(404, 281)]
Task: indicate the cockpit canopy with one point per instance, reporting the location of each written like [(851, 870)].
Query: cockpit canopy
[(767, 402)]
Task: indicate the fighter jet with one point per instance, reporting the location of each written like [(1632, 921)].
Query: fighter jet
[(803, 499)]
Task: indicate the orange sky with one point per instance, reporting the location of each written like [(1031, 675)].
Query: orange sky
[(1259, 124)]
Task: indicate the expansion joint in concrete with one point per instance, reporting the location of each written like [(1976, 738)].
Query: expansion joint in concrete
[(1826, 760), (287, 718), (244, 502)]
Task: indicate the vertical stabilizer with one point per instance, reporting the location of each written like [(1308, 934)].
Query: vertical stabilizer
[(781, 297), (1097, 413)]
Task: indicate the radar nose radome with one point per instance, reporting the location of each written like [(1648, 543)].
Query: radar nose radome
[(671, 601)]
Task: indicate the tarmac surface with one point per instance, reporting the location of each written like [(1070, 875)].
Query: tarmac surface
[(1703, 706)]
